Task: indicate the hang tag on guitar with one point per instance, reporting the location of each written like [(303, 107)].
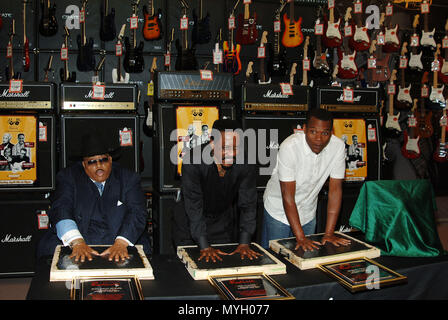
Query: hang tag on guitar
[(99, 91), (445, 42), (232, 23), (64, 53), (306, 65), (424, 92), (150, 91), (391, 88), (133, 21), (371, 63), (403, 63), (261, 52), (348, 31), (380, 39), (15, 86), (82, 16), (206, 75), (435, 65), (9, 51), (125, 137), (371, 134), (415, 41), (443, 121), (277, 26), (118, 50), (330, 4), (184, 23), (167, 60), (424, 7), (286, 89), (217, 56), (42, 220), (412, 121), (357, 7), (319, 29), (348, 95), (389, 10), (43, 137)]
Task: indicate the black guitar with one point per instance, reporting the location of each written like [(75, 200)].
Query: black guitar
[(201, 29), (86, 58), (276, 63), (108, 30), (64, 73), (133, 58), (48, 25), (186, 59)]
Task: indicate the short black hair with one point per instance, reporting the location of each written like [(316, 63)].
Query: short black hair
[(321, 114), (222, 125)]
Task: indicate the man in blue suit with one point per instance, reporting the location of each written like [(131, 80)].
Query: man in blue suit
[(96, 202)]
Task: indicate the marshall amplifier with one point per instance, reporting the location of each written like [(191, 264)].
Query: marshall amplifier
[(192, 86), (364, 100), (116, 97), (34, 96), (269, 98)]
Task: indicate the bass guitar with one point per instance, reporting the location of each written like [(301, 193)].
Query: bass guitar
[(232, 62), (186, 59), (64, 73), (116, 72), (86, 58), (424, 123), (427, 36), (262, 77), (415, 61), (404, 100), (277, 64), (108, 30), (360, 40), (133, 58), (347, 65), (332, 36), (410, 148), (440, 154), (48, 25), (26, 45), (201, 29), (292, 36), (247, 32), (152, 27)]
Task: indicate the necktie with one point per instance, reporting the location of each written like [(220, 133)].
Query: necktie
[(100, 187)]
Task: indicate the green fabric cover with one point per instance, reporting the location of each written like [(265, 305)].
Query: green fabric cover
[(397, 216)]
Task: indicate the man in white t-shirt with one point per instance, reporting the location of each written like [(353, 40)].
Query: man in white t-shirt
[(304, 162)]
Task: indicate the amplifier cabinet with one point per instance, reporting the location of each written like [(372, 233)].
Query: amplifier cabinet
[(34, 96), (365, 101), (122, 128)]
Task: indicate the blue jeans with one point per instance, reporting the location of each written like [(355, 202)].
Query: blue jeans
[(274, 229)]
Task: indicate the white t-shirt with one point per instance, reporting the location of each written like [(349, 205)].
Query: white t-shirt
[(297, 162)]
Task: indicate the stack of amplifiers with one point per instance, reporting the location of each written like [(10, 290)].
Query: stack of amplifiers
[(38, 99), (115, 116)]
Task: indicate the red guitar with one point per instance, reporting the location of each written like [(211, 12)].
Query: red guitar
[(332, 36), (440, 155), (382, 71), (247, 27), (152, 28), (360, 40), (26, 45), (292, 36), (392, 43), (443, 72), (410, 148), (346, 63)]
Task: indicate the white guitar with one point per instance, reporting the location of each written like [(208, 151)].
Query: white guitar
[(410, 148), (116, 72), (404, 93), (333, 27), (427, 36), (262, 74), (361, 34), (444, 69), (391, 34), (436, 95), (392, 119), (415, 61), (348, 60)]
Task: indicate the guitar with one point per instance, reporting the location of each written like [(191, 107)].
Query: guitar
[(424, 123), (305, 57), (427, 36), (277, 63), (167, 64), (292, 36), (133, 58), (26, 45), (152, 27), (443, 73), (186, 59), (116, 72), (48, 25), (360, 40), (201, 29), (347, 65), (292, 73), (249, 72), (436, 95), (440, 154), (86, 58), (247, 32), (392, 120), (415, 61), (217, 50), (332, 36), (63, 72), (321, 67), (232, 62), (382, 71), (108, 30), (262, 73), (96, 77), (410, 148), (150, 103), (9, 70), (48, 68), (392, 42), (371, 71), (404, 100)]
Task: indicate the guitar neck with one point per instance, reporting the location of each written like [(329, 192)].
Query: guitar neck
[(331, 15), (391, 103), (425, 22), (443, 128), (246, 11), (291, 12)]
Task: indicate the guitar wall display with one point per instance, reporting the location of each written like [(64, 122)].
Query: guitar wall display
[(133, 59), (247, 32), (443, 62), (108, 30), (292, 35), (186, 59), (201, 29), (152, 27), (86, 57), (48, 25)]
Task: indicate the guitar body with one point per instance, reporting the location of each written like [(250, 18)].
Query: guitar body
[(26, 56), (347, 66), (332, 36), (108, 30), (428, 38), (443, 72), (436, 95), (424, 124), (392, 122), (382, 72), (392, 43), (86, 59), (320, 62), (201, 29), (360, 40), (415, 61), (247, 32), (152, 28), (133, 58), (440, 155), (186, 59), (410, 148), (277, 64), (48, 26), (123, 79), (404, 100), (71, 77), (292, 36), (232, 62)]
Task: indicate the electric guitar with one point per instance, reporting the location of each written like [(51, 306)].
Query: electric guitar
[(249, 72), (370, 71), (360, 40), (86, 58), (262, 77), (392, 42), (201, 29), (48, 68), (410, 148), (167, 64), (133, 59), (48, 25), (26, 45), (443, 73), (232, 62), (96, 72), (321, 67), (332, 35), (440, 154), (347, 65), (436, 95), (404, 100), (292, 36), (116, 72), (247, 32), (382, 71), (9, 70), (277, 63), (427, 36), (217, 50), (152, 27), (292, 73), (149, 105), (108, 30), (64, 73), (305, 57), (424, 123), (186, 59), (415, 61), (392, 119)]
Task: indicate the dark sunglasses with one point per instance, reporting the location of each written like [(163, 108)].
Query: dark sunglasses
[(95, 161)]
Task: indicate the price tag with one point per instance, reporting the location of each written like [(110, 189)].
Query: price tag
[(330, 4), (42, 132), (445, 42), (15, 86), (380, 39), (371, 133), (99, 91), (206, 75), (306, 65), (277, 26), (247, 1), (167, 59), (82, 16), (403, 63), (348, 31), (232, 23), (371, 63), (389, 10), (443, 121), (319, 29), (286, 89), (357, 8), (412, 121), (184, 23), (348, 95), (150, 91), (42, 220), (415, 41), (64, 53), (424, 92), (424, 7), (133, 21), (9, 51), (435, 65), (391, 88), (125, 137), (217, 56), (118, 49), (261, 52)]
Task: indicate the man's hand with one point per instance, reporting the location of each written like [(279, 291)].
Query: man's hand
[(211, 253), (306, 244), (246, 251), (118, 251), (337, 241), (81, 251)]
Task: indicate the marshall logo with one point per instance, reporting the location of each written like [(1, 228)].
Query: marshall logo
[(355, 99), (109, 95), (275, 95), (9, 238), (7, 94)]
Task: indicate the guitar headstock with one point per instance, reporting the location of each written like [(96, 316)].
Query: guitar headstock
[(12, 28), (348, 14), (307, 43), (293, 69), (393, 76), (404, 48), (264, 38), (101, 63), (135, 6), (154, 65), (84, 4), (414, 105), (50, 62), (279, 9), (121, 34), (415, 23), (372, 47), (249, 69), (382, 17)]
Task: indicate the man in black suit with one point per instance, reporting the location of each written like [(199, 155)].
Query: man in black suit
[(96, 202)]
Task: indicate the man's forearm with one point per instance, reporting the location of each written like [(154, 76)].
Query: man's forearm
[(333, 209)]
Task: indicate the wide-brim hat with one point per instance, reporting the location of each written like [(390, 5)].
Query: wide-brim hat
[(94, 143)]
